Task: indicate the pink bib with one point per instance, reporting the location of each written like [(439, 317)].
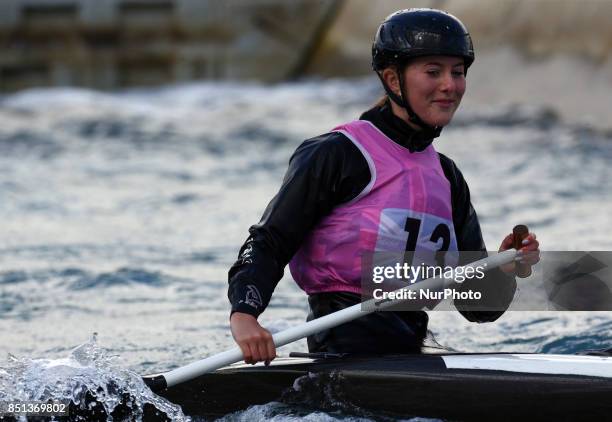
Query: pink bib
[(406, 206)]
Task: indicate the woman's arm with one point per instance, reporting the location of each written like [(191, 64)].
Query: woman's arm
[(323, 172), (497, 287)]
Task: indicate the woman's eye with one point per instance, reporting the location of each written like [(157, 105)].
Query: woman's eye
[(458, 74), (433, 72)]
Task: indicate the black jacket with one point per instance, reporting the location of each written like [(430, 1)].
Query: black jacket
[(327, 171)]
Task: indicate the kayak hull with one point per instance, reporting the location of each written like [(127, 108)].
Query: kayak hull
[(405, 385)]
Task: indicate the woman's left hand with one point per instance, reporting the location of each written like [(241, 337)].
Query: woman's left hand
[(528, 254)]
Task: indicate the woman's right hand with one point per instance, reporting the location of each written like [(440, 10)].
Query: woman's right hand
[(254, 340)]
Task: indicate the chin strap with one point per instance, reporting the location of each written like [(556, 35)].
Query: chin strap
[(427, 131)]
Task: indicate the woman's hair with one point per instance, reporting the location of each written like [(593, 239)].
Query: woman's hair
[(381, 101), (397, 67)]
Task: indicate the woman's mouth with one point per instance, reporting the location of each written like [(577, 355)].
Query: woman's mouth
[(444, 103)]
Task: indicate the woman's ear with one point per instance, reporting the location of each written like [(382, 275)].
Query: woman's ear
[(389, 75)]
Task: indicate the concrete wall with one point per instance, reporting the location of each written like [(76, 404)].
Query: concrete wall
[(114, 43), (555, 54), (552, 53), (539, 29)]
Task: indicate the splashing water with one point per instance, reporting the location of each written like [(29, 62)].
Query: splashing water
[(315, 397), (92, 381), (114, 203)]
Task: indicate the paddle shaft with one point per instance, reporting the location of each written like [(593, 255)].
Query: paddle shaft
[(212, 363)]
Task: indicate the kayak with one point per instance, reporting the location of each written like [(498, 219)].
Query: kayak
[(456, 386)]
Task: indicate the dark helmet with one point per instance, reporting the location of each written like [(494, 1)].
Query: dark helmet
[(413, 33), (420, 32)]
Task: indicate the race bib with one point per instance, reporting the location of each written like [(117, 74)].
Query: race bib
[(426, 239)]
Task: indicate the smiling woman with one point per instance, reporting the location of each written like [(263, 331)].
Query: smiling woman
[(374, 185), (437, 84)]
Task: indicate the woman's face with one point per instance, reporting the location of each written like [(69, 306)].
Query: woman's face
[(435, 86)]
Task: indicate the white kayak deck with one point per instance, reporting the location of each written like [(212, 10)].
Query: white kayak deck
[(596, 366)]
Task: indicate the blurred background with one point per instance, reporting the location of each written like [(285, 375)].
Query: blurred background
[(139, 139), (550, 52)]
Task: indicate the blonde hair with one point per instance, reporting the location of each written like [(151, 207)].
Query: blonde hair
[(381, 101)]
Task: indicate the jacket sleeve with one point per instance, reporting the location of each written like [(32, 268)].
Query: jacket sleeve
[(496, 287), (323, 172)]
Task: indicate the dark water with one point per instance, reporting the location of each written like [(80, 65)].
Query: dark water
[(121, 214)]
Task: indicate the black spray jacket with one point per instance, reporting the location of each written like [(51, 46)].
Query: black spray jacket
[(327, 171)]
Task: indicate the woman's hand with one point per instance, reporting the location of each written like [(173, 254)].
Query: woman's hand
[(528, 254), (254, 340)]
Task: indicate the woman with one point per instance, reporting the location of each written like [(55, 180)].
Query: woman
[(347, 192)]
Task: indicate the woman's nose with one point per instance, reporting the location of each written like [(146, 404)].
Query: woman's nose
[(447, 84)]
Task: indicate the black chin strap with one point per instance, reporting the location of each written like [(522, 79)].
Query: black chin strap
[(428, 131)]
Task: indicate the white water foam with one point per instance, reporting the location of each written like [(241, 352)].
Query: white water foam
[(89, 377)]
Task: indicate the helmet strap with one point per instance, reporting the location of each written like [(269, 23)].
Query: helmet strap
[(402, 101), (428, 130)]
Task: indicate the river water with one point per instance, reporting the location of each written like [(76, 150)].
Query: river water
[(122, 212)]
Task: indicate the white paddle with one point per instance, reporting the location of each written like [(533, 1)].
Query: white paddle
[(212, 363)]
